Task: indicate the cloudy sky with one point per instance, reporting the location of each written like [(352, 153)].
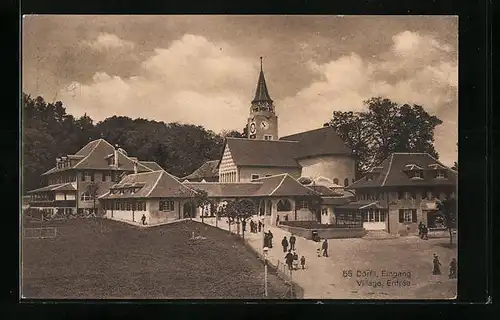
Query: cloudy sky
[(204, 69)]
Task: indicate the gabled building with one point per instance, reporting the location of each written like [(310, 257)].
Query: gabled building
[(157, 195), (399, 193), (208, 172), (98, 163), (313, 153)]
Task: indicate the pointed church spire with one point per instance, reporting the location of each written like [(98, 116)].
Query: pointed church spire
[(261, 94)]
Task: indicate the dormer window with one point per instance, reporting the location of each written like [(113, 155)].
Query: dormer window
[(440, 174), (418, 174)]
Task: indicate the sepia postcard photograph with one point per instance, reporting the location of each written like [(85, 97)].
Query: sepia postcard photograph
[(239, 157)]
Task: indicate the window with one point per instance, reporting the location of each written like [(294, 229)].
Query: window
[(303, 204), (427, 194), (440, 174), (83, 176), (418, 174), (255, 176), (336, 181), (324, 212), (166, 206), (86, 196), (346, 182), (103, 176), (129, 206), (407, 215), (92, 177), (284, 205), (268, 137)]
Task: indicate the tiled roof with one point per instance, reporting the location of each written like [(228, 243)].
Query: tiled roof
[(55, 187), (151, 165), (209, 169), (362, 204), (324, 191), (322, 141), (266, 153), (394, 168), (278, 185), (94, 156), (336, 200), (156, 184), (282, 185), (226, 189)]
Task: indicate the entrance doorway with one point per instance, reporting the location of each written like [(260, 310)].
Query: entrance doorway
[(374, 219), (188, 210)]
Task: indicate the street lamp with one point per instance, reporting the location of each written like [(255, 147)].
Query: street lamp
[(265, 250)]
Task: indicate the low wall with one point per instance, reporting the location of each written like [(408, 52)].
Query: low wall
[(327, 233)]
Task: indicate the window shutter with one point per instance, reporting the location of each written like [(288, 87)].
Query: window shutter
[(401, 216), (414, 215)]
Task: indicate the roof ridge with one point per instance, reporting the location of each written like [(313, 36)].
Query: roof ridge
[(279, 185), (260, 140), (155, 184), (317, 129), (388, 170), (272, 176), (98, 141)]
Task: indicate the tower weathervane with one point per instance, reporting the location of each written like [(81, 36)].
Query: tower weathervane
[(260, 63)]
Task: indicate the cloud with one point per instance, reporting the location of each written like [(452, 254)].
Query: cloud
[(416, 69), (193, 80), (107, 42)]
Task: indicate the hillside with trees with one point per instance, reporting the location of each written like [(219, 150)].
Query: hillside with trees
[(49, 132)]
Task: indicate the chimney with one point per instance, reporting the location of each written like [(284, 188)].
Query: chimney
[(116, 156), (135, 167)]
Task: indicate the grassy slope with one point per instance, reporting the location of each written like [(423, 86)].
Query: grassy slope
[(127, 262)]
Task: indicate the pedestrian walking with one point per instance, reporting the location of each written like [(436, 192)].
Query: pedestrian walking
[(425, 232), (260, 226), (325, 248), (436, 270), (284, 244), (277, 220), (453, 269), (303, 262), (289, 260), (292, 242), (420, 229), (270, 235), (143, 219), (295, 260)]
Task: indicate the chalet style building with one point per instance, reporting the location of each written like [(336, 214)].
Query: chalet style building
[(98, 163), (399, 193), (160, 197)]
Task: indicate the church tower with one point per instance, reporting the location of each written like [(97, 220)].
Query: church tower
[(263, 122)]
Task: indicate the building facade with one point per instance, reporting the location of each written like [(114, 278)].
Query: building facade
[(401, 192), (313, 153), (75, 182)]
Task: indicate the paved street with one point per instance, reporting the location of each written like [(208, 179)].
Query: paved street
[(324, 276)]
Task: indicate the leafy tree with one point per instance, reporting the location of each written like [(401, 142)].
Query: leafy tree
[(448, 209), (240, 211), (201, 200), (385, 128)]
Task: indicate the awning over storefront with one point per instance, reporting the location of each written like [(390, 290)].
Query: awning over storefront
[(359, 205)]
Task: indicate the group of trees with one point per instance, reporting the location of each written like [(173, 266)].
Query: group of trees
[(49, 132), (385, 128)]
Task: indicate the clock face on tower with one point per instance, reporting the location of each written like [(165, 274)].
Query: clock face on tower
[(264, 125)]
